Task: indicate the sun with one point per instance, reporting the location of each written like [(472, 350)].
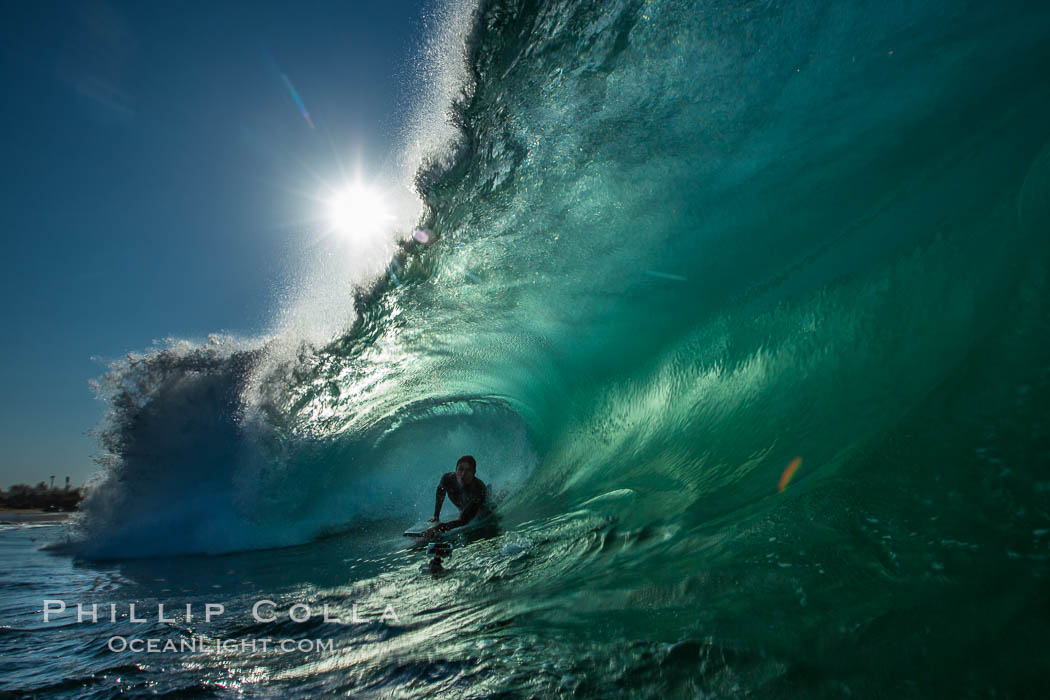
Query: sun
[(359, 211)]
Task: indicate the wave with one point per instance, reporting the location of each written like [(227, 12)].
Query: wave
[(675, 247)]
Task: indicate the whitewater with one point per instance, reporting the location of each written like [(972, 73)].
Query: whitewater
[(673, 248)]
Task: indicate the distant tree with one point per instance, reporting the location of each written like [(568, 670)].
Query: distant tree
[(21, 491)]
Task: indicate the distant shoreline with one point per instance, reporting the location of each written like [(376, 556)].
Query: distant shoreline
[(30, 515)]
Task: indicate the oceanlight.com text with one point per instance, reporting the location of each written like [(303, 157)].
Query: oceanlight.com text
[(204, 645)]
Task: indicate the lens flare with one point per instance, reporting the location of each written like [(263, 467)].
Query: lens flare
[(789, 472)]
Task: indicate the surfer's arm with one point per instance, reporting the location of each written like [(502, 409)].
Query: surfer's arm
[(465, 516), (439, 499)]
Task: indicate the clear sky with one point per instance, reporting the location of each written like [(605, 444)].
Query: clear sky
[(156, 168)]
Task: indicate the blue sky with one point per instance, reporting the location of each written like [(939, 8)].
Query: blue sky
[(156, 172)]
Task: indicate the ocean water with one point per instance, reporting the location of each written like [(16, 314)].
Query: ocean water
[(675, 247)]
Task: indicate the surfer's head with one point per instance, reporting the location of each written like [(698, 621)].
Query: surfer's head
[(465, 469)]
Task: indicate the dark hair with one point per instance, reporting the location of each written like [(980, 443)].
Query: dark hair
[(469, 460)]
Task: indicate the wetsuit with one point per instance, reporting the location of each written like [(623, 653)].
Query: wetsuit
[(469, 500)]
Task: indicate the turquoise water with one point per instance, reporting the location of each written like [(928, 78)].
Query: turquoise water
[(675, 246)]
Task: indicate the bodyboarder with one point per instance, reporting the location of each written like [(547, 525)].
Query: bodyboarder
[(464, 489)]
